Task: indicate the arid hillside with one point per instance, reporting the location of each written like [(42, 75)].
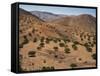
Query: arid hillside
[(63, 43)]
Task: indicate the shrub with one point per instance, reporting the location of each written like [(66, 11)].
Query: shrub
[(48, 68), (47, 41), (31, 53), (44, 61), (42, 39), (67, 40), (86, 45), (25, 40), (94, 42), (20, 45), (89, 49), (81, 39), (33, 30), (56, 56), (67, 50), (89, 38), (30, 34), (61, 44), (94, 56), (38, 48), (55, 48), (74, 47), (73, 65), (35, 39), (92, 45), (42, 44), (58, 39), (55, 40), (76, 42)]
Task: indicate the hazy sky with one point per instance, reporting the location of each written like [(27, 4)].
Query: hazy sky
[(60, 10)]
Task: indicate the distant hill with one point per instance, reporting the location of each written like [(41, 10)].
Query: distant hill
[(46, 16)]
